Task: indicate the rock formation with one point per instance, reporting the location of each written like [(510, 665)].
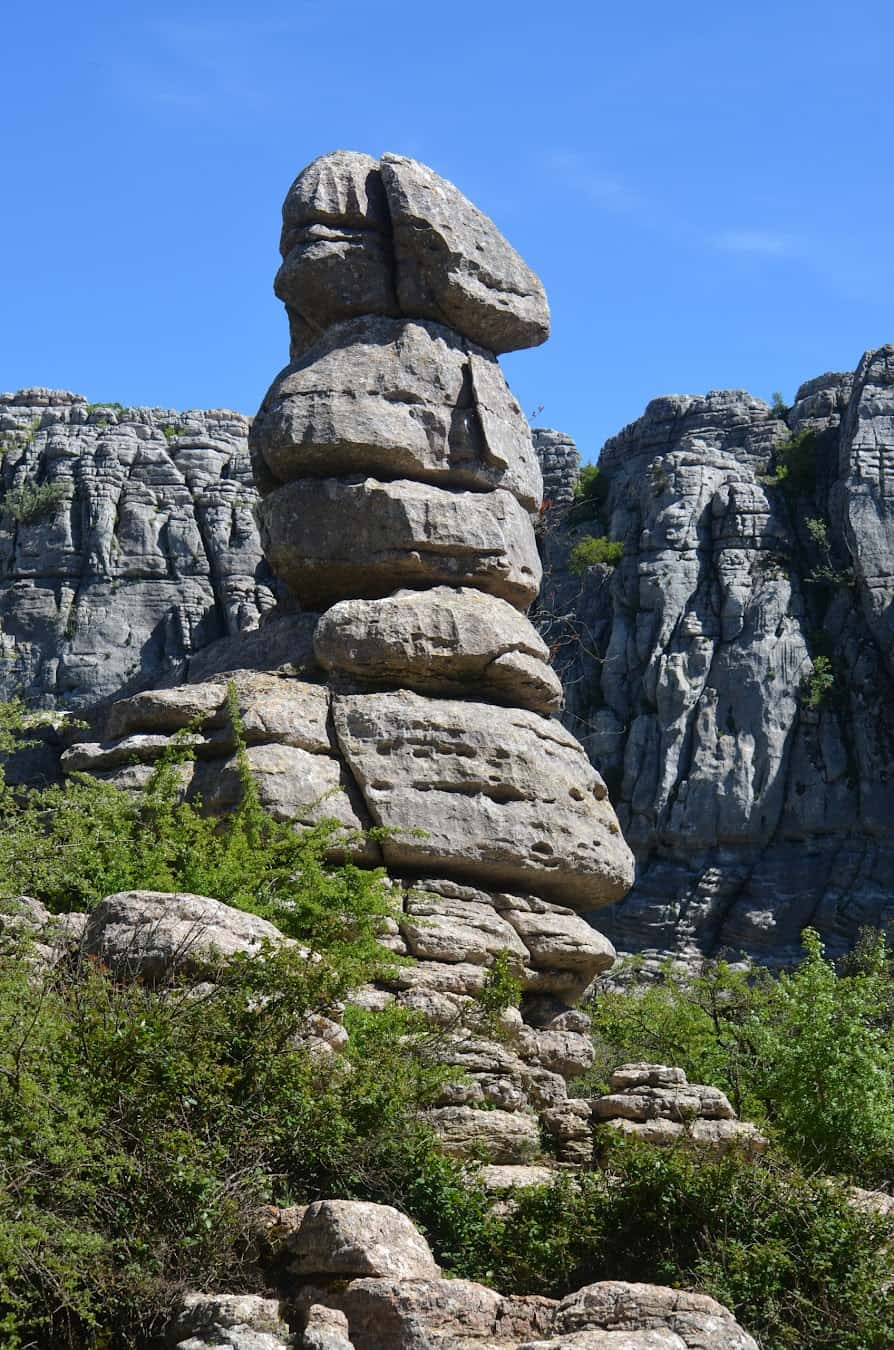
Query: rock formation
[(127, 543), (733, 677), (411, 693), (361, 1277)]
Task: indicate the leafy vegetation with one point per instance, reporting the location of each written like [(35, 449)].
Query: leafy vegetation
[(592, 549), (795, 468), (233, 1109), (819, 683), (808, 1054), (31, 502)]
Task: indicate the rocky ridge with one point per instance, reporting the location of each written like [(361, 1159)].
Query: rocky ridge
[(732, 677), (127, 542)]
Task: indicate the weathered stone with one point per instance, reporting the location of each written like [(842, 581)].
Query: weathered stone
[(439, 929), (235, 1321), (668, 1103), (397, 399), (150, 934), (505, 1177), (715, 1137), (442, 641), (503, 795), (149, 554), (326, 1329), (350, 1238), (332, 540), (564, 942), (618, 1305), (501, 1136), (645, 1075), (453, 265)]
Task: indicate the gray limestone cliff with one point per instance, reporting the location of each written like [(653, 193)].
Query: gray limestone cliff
[(127, 542), (733, 676)]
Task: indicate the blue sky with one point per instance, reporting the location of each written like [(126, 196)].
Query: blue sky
[(706, 189)]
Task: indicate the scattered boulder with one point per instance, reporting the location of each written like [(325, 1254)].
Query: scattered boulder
[(150, 935), (350, 1238)]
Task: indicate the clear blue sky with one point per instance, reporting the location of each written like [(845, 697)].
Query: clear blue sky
[(706, 189)]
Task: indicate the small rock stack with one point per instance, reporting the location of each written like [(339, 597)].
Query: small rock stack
[(658, 1104), (398, 482)]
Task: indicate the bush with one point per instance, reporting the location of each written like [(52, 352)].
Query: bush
[(590, 550), (819, 683), (795, 468), (31, 502), (809, 1055)]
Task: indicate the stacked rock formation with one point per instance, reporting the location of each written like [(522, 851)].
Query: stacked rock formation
[(398, 483), (658, 1104)]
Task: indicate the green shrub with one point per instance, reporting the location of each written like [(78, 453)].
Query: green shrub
[(819, 683), (31, 502), (809, 1054), (590, 550), (795, 468)]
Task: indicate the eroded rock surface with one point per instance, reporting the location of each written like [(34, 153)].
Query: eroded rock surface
[(127, 543), (732, 677)]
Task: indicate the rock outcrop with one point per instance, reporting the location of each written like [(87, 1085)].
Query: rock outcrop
[(732, 677), (127, 542), (398, 488), (363, 1278)]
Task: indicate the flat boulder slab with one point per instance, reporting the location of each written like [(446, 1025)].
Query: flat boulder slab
[(715, 1138), (347, 1239), (502, 795), (150, 935), (454, 266), (441, 928), (397, 399), (500, 1136), (329, 539), (646, 1075), (697, 1321), (335, 245), (444, 641), (694, 1101), (558, 939)]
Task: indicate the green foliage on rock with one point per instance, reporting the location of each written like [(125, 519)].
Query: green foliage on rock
[(795, 468), (31, 502), (592, 549), (808, 1054)]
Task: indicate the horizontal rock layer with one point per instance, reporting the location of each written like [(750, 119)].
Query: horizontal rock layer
[(442, 641), (396, 400), (330, 539)]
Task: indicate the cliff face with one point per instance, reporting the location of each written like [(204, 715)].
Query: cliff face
[(127, 541), (733, 677)]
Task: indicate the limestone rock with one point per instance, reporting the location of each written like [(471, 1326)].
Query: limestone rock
[(502, 1136), (665, 1103), (151, 934), (645, 1075), (398, 400), (499, 1177), (504, 795), (688, 668), (326, 1329), (436, 928), (561, 941), (441, 641), (235, 1321), (351, 1238), (453, 265), (147, 553), (330, 540), (696, 1320), (715, 1137)]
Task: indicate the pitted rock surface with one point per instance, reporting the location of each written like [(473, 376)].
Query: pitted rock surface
[(141, 550), (335, 539), (442, 641)]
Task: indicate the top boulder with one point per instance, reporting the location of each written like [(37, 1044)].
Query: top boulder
[(392, 237)]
